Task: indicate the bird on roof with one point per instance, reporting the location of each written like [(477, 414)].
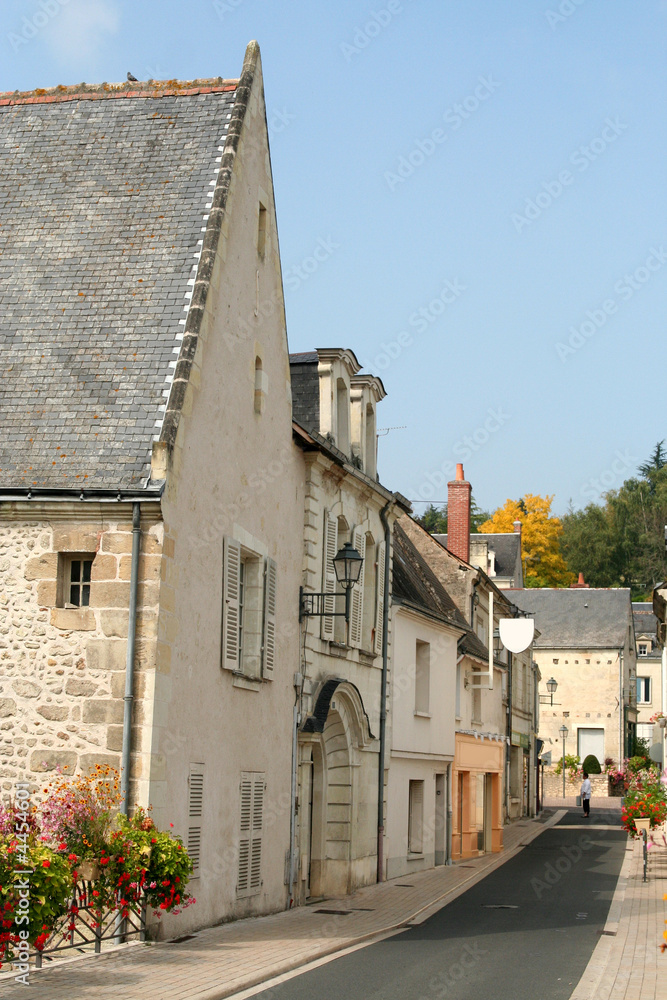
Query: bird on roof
[(133, 79)]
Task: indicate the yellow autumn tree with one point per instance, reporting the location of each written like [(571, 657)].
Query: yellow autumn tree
[(543, 564)]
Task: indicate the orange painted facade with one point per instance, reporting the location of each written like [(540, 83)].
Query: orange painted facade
[(477, 796)]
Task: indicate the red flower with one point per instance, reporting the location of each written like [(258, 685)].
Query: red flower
[(104, 861), (62, 847), (95, 892), (71, 857), (46, 864), (153, 840)]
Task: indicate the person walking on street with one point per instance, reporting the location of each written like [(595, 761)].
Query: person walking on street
[(586, 795)]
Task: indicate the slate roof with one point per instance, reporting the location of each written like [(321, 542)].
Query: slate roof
[(577, 618), (645, 621), (507, 547), (414, 583), (103, 201), (305, 390)]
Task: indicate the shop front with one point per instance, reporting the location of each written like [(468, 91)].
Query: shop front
[(477, 794)]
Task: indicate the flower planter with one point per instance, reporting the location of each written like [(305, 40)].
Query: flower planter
[(642, 824), (89, 871)]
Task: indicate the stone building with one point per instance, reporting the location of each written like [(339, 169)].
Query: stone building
[(649, 671), (587, 645), (146, 415), (426, 628), (342, 752)]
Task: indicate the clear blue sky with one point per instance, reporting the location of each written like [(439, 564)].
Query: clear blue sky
[(407, 138)]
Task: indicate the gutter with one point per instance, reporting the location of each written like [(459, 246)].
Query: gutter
[(67, 494), (129, 664), (383, 691)]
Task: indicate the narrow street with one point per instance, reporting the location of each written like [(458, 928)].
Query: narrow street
[(526, 932)]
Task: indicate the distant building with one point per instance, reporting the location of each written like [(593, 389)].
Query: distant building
[(498, 554), (587, 645), (649, 670)]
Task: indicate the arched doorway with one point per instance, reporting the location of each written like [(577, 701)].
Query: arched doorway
[(330, 741)]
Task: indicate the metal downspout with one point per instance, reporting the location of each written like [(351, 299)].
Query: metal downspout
[(129, 664), (450, 813), (383, 690)]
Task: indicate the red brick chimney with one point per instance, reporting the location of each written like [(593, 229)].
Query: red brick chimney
[(517, 527), (579, 583), (458, 515)]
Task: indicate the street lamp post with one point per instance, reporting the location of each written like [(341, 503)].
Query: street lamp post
[(563, 733), (551, 688)]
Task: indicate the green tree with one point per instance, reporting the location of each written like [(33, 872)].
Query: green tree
[(434, 519), (620, 542)]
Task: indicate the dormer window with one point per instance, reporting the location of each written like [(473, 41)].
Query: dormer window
[(370, 466)]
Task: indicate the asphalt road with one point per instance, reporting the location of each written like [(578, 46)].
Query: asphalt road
[(557, 892)]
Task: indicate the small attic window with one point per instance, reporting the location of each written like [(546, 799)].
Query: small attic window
[(261, 230)]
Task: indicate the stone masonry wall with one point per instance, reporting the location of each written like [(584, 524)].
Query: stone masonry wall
[(553, 784), (62, 670)]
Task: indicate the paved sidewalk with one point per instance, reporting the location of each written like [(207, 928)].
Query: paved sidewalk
[(627, 963), (224, 960)]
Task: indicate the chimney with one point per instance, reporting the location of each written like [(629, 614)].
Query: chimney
[(517, 527), (579, 583), (458, 515)]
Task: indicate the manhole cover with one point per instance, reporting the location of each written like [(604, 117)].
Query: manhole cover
[(337, 913), (184, 937), (403, 885)]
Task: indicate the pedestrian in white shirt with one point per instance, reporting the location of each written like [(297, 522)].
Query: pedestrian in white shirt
[(586, 795)]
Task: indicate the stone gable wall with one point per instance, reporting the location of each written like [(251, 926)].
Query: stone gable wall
[(62, 670)]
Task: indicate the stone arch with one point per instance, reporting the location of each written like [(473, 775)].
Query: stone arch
[(341, 724)]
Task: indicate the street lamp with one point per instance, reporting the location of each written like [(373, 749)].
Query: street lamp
[(347, 566), (551, 688), (563, 733)]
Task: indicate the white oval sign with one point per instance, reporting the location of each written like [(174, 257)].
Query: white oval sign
[(516, 634)]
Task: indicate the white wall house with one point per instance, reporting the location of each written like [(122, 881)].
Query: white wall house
[(426, 627)]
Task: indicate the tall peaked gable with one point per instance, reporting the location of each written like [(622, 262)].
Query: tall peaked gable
[(110, 199)]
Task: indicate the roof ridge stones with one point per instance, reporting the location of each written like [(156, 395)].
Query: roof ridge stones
[(110, 91), (209, 249)]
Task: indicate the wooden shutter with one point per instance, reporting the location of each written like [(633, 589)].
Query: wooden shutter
[(231, 574), (249, 879), (379, 603), (357, 595), (269, 624), (195, 811), (328, 572)]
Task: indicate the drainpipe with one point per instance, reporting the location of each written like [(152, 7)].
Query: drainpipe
[(621, 711), (383, 690), (129, 664), (296, 719), (508, 770), (450, 813)]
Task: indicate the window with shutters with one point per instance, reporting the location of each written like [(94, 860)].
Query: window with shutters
[(357, 595), (195, 813), (368, 611), (379, 598), (416, 817), (328, 572), (249, 586), (252, 792)]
